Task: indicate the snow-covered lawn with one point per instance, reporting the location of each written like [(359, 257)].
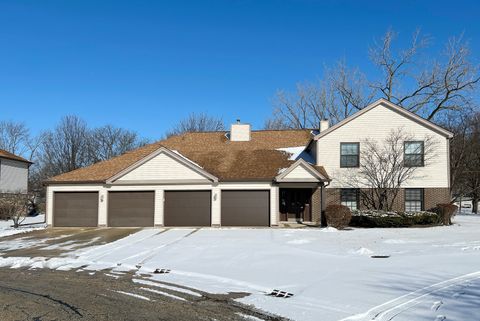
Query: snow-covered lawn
[(431, 273), (30, 224)]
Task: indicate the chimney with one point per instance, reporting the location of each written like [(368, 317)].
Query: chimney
[(324, 124), (240, 132)]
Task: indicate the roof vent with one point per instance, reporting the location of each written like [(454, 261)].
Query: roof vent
[(324, 124), (240, 132)]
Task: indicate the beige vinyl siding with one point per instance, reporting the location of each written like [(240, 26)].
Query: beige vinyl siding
[(377, 124), (299, 172), (161, 167), (13, 176)]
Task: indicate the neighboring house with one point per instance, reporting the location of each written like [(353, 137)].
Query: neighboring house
[(241, 177), (13, 173)]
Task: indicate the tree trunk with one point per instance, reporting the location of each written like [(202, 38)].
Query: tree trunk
[(475, 201)]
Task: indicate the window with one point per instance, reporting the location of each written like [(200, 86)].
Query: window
[(413, 154), (349, 154), (413, 199), (349, 197)]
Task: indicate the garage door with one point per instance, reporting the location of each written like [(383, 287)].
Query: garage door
[(245, 208), (75, 209), (131, 209), (187, 208)]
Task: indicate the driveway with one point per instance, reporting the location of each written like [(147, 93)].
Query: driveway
[(58, 242), (44, 294)]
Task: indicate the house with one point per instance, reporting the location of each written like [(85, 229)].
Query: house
[(242, 177), (13, 173)]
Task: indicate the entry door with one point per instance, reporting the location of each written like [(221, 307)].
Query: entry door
[(295, 204)]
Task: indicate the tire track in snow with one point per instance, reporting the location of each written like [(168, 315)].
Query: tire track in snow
[(149, 252), (154, 251), (390, 309), (109, 249)]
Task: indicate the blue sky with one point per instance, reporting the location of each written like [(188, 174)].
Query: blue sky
[(144, 65)]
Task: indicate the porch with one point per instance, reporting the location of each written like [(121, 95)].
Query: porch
[(300, 204)]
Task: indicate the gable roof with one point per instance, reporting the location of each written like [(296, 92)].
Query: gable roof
[(317, 172), (8, 155), (176, 156), (408, 114), (257, 159)]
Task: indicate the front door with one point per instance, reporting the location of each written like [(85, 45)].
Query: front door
[(295, 204)]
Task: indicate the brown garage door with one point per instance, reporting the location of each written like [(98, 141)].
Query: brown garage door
[(75, 209), (187, 208), (245, 208), (131, 209)]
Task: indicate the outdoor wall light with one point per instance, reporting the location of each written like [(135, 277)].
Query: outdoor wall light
[(101, 198)]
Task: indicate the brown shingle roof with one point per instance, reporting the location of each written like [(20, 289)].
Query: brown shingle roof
[(256, 159), (8, 155)]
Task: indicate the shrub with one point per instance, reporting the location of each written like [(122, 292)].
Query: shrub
[(446, 212), (5, 210), (373, 218), (338, 216)]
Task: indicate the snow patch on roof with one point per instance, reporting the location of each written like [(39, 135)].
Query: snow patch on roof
[(297, 153)]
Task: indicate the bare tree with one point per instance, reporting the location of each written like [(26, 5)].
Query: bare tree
[(197, 123), (443, 84), (342, 93), (464, 156), (472, 163), (405, 76), (109, 141), (383, 170), (15, 206), (459, 145), (64, 147), (14, 137)]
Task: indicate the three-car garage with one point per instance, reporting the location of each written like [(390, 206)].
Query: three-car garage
[(180, 208)]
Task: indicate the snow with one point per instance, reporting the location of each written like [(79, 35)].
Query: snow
[(134, 295), (163, 293), (35, 223), (298, 152), (430, 273)]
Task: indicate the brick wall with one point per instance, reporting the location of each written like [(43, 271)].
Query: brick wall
[(432, 197), (316, 205)]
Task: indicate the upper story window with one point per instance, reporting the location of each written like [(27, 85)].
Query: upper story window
[(349, 154), (413, 154)]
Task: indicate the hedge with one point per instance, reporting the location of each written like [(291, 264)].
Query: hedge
[(371, 218)]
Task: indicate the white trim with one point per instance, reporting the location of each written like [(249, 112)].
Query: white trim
[(308, 167), (394, 107)]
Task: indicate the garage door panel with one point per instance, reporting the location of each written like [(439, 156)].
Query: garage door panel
[(131, 209), (187, 208), (75, 209), (245, 208)]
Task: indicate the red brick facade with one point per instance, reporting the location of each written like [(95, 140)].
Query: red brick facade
[(432, 197)]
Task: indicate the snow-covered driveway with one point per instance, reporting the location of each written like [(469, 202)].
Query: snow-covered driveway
[(431, 273)]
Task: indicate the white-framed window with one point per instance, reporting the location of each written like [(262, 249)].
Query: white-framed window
[(413, 199), (413, 154), (349, 197), (349, 154)]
